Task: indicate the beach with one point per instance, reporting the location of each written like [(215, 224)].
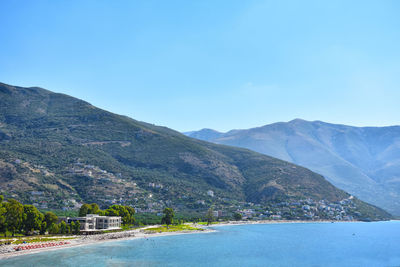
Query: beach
[(293, 243), (82, 240)]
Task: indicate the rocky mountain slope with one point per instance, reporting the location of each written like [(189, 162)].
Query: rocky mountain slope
[(57, 151), (364, 161)]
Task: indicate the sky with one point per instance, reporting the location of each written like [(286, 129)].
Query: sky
[(213, 64)]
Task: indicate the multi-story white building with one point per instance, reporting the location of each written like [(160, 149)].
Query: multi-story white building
[(95, 222)]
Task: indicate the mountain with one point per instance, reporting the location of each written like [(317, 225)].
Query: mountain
[(204, 134), (364, 161), (57, 151)]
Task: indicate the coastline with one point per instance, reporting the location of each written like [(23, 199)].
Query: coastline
[(230, 223), (102, 238), (140, 233)]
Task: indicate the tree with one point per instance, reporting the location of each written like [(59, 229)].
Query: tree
[(84, 210), (94, 209), (127, 213), (89, 209), (63, 227), (101, 212), (111, 212), (43, 228), (32, 219), (14, 212), (2, 215), (50, 218), (168, 217), (210, 216), (71, 227), (77, 227), (131, 212), (237, 216), (53, 229)]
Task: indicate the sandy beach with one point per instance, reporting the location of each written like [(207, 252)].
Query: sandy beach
[(9, 251)]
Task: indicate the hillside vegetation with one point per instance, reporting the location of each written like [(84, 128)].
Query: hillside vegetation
[(57, 151)]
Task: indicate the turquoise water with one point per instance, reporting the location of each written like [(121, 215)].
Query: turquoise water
[(296, 244)]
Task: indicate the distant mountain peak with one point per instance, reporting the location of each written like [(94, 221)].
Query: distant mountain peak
[(209, 130), (361, 160), (204, 134), (298, 120)]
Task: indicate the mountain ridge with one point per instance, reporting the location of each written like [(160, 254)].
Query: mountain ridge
[(360, 160), (58, 151)]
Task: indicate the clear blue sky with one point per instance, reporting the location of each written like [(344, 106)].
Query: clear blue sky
[(217, 64)]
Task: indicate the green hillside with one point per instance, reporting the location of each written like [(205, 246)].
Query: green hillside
[(57, 151)]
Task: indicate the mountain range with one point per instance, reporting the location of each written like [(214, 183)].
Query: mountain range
[(57, 152), (364, 161)]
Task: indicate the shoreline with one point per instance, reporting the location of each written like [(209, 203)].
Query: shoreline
[(140, 233), (102, 238), (230, 223)]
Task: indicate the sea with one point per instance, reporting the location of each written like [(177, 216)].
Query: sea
[(281, 244)]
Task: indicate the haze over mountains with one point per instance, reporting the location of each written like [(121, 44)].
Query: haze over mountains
[(364, 161), (57, 151)]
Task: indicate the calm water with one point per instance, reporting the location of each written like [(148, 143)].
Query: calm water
[(308, 244)]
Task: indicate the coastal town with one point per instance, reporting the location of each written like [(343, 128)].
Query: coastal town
[(303, 209), (144, 199)]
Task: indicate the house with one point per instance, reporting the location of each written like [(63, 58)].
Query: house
[(276, 217), (95, 222), (202, 202)]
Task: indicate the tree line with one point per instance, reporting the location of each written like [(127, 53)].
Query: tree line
[(17, 218), (27, 219), (126, 213)]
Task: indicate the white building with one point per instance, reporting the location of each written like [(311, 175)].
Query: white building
[(95, 222)]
